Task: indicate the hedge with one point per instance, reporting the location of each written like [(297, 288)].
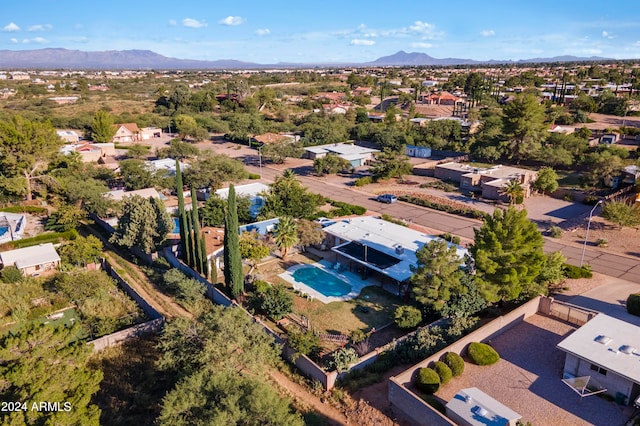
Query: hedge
[(482, 354), (575, 272), (633, 304), (443, 370), (460, 211), (454, 362), (427, 380), (24, 209)]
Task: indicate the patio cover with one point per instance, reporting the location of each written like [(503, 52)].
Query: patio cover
[(584, 385)]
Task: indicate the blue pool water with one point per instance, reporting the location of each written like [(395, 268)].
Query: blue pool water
[(176, 227), (322, 282), (3, 230)]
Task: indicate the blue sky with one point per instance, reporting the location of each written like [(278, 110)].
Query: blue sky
[(328, 30)]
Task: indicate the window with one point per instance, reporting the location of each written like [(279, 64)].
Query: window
[(599, 369)]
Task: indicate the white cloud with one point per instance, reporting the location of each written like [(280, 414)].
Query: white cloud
[(487, 33), (607, 35), (172, 22), (39, 27), (263, 31), (421, 45), (361, 42), (232, 21), (14, 40), (38, 40), (11, 27), (193, 23), (422, 27)]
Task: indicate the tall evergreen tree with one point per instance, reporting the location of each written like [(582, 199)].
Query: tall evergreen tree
[(232, 258), (197, 247), (190, 252), (508, 255), (181, 212), (203, 249)]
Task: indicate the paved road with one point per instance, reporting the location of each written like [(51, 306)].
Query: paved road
[(619, 266)]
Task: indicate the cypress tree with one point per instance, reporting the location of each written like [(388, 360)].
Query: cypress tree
[(189, 244), (203, 248), (197, 247), (181, 213), (232, 258), (214, 272)]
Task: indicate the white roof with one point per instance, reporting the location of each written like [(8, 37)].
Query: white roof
[(250, 190), (614, 334), (477, 408), (120, 194), (30, 256), (386, 237), (342, 149)]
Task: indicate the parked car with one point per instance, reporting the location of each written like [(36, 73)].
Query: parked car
[(387, 198), (324, 222)]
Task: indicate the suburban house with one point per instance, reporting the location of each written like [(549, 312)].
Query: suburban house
[(252, 190), (11, 226), (68, 136), (354, 154), (165, 164), (126, 132), (472, 407), (489, 181), (32, 260), (605, 350), (147, 133), (90, 152), (441, 98), (121, 194), (370, 245), (417, 151), (268, 138)]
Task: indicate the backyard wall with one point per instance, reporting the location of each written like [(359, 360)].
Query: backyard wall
[(403, 399)]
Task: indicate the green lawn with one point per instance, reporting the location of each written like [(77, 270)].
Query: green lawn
[(566, 179), (344, 317)]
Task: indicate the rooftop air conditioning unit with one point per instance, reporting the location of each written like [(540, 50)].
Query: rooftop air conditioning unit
[(399, 249)]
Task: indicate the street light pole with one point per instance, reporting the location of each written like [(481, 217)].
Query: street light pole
[(260, 159), (586, 237)]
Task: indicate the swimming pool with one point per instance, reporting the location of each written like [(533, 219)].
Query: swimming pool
[(4, 230), (321, 281)]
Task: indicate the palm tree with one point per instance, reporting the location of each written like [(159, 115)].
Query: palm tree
[(514, 190), (286, 234)]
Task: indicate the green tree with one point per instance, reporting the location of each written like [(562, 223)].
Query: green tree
[(11, 274), (25, 148), (136, 175), (309, 233), (252, 248), (185, 250), (407, 316), (102, 127), (547, 180), (621, 213), (305, 343), (178, 150), (144, 224), (45, 363), (199, 256), (514, 190), (219, 398), (508, 254), (464, 303), (287, 197), (88, 193), (81, 250), (278, 152), (233, 276), (343, 358), (390, 164), (330, 164), (524, 125), (214, 210), (65, 218), (552, 272), (438, 274), (286, 235), (276, 301), (211, 170)]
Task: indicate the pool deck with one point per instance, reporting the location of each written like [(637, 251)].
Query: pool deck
[(351, 278)]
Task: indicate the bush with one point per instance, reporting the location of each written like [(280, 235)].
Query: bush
[(24, 209), (342, 358), (307, 343), (633, 304), (443, 371), (407, 316), (575, 272), (602, 242), (346, 209), (591, 200), (427, 380), (363, 181), (253, 176), (555, 232), (389, 218), (357, 336), (454, 362), (460, 211), (11, 274), (277, 301), (482, 354)]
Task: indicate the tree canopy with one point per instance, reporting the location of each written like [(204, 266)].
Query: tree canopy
[(144, 224), (102, 127), (524, 124), (287, 197)]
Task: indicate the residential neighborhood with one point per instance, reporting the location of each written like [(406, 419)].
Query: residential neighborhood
[(373, 243)]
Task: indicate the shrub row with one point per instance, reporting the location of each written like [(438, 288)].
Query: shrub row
[(575, 272), (460, 211), (345, 209), (24, 209), (51, 237), (363, 181)]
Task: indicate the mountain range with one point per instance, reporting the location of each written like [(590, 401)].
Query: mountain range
[(58, 58)]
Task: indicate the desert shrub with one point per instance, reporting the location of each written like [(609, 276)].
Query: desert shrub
[(443, 371), (341, 208), (555, 232), (482, 354), (427, 380), (307, 343), (11, 274), (253, 176), (454, 362), (601, 242), (363, 181), (276, 301), (342, 358), (591, 200), (633, 304), (407, 316), (357, 336), (575, 272)]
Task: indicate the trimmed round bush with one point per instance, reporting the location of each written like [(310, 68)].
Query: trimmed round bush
[(482, 354), (443, 371), (455, 363), (407, 316), (427, 380), (633, 304)]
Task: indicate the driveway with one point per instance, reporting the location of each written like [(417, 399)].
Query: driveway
[(610, 299)]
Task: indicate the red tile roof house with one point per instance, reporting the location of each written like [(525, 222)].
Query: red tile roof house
[(126, 132)]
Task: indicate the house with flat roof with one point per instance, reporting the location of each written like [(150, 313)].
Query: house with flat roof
[(472, 407), (372, 245), (32, 260), (252, 190), (354, 154), (608, 350)]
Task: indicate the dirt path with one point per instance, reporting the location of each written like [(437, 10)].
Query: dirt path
[(147, 289), (331, 415)]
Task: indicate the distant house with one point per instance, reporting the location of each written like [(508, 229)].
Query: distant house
[(165, 164), (69, 136), (126, 132), (253, 191), (356, 155), (606, 351), (120, 194), (64, 100), (442, 98), (32, 260), (271, 138), (556, 128), (147, 133), (417, 151), (90, 152)]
